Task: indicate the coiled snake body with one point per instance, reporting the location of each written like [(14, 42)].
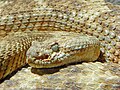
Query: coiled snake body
[(22, 22)]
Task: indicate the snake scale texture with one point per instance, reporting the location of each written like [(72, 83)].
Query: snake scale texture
[(21, 19)]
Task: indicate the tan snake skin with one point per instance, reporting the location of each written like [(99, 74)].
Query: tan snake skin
[(91, 17), (62, 48)]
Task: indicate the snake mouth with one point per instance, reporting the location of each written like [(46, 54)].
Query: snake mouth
[(44, 59)]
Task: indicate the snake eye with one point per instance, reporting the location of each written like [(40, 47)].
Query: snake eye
[(55, 47)]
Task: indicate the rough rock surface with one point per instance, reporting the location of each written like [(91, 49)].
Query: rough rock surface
[(85, 76)]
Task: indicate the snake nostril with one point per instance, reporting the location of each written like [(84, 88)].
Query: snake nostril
[(42, 57)]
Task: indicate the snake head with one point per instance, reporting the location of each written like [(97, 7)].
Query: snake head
[(53, 53), (49, 56)]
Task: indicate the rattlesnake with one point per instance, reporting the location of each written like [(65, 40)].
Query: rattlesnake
[(20, 20)]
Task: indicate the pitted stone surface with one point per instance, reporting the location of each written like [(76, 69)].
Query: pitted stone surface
[(85, 76)]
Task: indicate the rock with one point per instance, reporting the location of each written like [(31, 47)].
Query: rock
[(85, 76)]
